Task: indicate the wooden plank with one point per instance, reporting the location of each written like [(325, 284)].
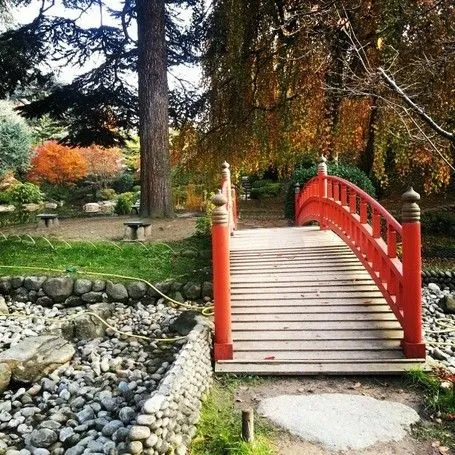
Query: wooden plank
[(313, 309), (323, 294), (239, 301), (320, 325), (379, 355), (310, 335), (310, 280), (246, 288), (316, 345), (314, 317), (306, 368), (301, 268)]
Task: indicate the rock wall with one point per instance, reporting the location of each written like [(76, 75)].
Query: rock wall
[(168, 418), (69, 292), (443, 278)]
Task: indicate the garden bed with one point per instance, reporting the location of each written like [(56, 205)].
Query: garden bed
[(114, 391)]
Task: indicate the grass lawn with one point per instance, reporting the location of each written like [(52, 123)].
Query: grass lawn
[(152, 262)]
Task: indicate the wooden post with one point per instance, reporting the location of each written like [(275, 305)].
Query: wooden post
[(412, 343), (322, 174), (221, 278), (296, 203), (248, 425)]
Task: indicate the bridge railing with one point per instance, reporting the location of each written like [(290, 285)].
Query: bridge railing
[(373, 234), (224, 223)]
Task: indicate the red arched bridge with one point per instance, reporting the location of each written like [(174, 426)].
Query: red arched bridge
[(334, 298)]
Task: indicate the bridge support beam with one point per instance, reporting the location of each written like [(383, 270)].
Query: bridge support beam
[(413, 343), (223, 349)]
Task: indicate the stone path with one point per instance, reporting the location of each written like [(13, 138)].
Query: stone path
[(340, 421)]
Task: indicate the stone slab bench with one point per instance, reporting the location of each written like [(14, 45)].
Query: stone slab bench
[(48, 219), (137, 230)]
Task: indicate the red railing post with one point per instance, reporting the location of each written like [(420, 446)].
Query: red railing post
[(226, 174), (221, 278), (296, 203), (322, 176), (413, 343)]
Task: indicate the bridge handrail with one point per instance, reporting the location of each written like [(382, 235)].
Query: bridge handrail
[(356, 217)]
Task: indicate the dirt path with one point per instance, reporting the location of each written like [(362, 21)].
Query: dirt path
[(109, 228), (390, 388)]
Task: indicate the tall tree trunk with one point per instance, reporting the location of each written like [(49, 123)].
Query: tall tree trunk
[(156, 195), (366, 160)]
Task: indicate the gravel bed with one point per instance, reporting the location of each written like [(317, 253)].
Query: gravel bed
[(439, 326), (89, 405)]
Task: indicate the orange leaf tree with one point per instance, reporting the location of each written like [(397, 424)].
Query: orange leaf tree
[(102, 164), (57, 164)]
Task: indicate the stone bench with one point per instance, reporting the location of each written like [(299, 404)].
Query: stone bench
[(137, 230), (135, 208), (48, 219)]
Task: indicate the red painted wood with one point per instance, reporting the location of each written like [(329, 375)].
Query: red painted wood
[(399, 282)]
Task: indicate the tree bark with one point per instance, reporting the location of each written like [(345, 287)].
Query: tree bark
[(367, 157), (156, 194)]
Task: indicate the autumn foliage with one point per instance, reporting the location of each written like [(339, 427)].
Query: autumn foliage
[(59, 164)]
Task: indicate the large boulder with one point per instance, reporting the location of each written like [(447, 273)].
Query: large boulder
[(35, 357), (5, 376), (88, 326), (3, 306), (58, 289), (34, 283), (192, 290), (136, 289), (447, 303), (116, 292)]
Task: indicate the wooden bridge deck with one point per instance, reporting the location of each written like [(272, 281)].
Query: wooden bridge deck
[(302, 303)]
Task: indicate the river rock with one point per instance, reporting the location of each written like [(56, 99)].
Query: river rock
[(192, 290), (58, 288), (43, 437), (137, 289), (184, 322), (34, 283), (82, 286), (5, 376), (35, 357), (116, 292)]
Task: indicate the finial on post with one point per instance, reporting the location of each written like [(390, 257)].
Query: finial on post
[(225, 171), (410, 211), (220, 213), (297, 188), (322, 166)]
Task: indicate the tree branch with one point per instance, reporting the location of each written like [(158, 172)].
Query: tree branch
[(417, 109)]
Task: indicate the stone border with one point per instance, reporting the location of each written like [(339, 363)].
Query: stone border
[(443, 278), (70, 292), (167, 422)]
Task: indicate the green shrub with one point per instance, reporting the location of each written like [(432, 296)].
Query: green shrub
[(124, 203), (25, 193), (203, 226), (124, 183), (303, 175), (5, 197), (137, 188), (106, 194), (263, 189), (440, 222)]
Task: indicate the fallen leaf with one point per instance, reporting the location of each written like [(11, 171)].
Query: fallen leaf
[(270, 357)]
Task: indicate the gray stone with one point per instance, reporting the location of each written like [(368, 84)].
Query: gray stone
[(34, 283), (35, 357), (41, 451), (207, 289), (178, 297), (20, 295), (82, 286), (3, 306), (111, 427), (86, 414), (58, 288), (176, 286), (316, 418), (92, 297), (447, 303), (72, 301), (116, 292), (437, 354), (5, 285), (192, 290), (44, 301), (163, 287), (126, 414), (136, 289), (43, 437), (185, 322), (98, 285), (434, 287), (88, 327), (139, 432), (151, 441), (50, 424), (65, 433), (17, 281)]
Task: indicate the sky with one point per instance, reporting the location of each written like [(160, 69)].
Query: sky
[(92, 18)]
